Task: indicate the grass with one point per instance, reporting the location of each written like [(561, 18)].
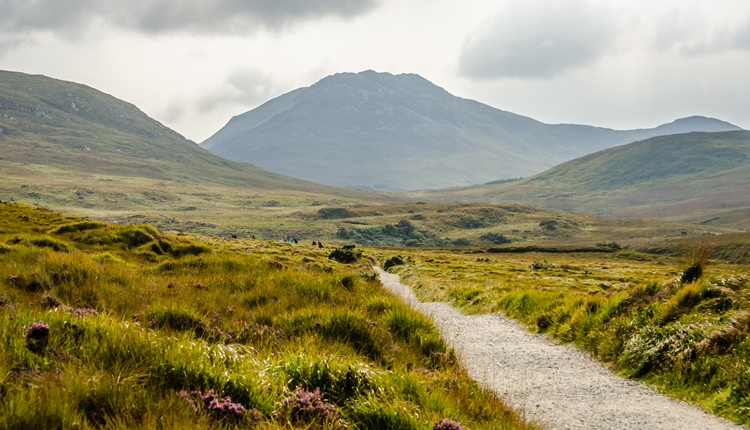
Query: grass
[(143, 339), (635, 311), (694, 177)]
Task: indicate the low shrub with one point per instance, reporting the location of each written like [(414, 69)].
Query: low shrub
[(345, 255), (304, 407), (393, 262)]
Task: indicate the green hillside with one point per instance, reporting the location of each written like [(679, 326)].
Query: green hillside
[(73, 127), (70, 147), (694, 177), (107, 326)]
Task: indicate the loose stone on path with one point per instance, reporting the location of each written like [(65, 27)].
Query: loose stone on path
[(556, 386)]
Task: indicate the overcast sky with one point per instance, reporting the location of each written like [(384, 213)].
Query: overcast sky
[(193, 64)]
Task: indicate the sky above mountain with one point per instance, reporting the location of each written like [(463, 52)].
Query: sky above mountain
[(193, 64)]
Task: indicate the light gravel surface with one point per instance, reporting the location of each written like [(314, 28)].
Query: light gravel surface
[(556, 386)]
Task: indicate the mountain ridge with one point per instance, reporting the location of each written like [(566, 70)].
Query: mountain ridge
[(694, 177), (378, 130)]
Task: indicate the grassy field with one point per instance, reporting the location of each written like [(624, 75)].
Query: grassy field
[(123, 326), (680, 322)]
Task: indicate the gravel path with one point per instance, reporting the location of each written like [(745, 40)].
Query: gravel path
[(554, 385)]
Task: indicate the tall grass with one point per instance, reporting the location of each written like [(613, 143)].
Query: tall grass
[(688, 335), (140, 338)]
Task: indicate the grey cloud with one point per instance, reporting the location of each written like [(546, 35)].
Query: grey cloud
[(165, 16), (537, 40), (691, 36), (244, 87)]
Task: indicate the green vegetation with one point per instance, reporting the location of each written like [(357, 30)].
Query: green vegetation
[(124, 326), (693, 177), (643, 314)]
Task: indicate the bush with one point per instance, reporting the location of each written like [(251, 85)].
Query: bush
[(495, 238), (304, 407), (697, 258), (392, 262), (37, 337), (79, 226), (346, 255)]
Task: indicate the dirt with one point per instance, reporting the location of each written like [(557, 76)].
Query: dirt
[(555, 386)]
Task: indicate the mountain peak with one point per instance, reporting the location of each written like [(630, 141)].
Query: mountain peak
[(704, 122), (379, 130)]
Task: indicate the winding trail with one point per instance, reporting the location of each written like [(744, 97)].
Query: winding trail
[(556, 386)]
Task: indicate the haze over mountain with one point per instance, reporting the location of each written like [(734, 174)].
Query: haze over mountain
[(72, 127), (377, 130), (695, 177)]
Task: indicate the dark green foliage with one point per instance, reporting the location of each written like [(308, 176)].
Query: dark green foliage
[(40, 242), (134, 236), (462, 242), (392, 235), (335, 213), (78, 227), (611, 245), (495, 238), (478, 218), (393, 261), (346, 254), (692, 273), (348, 282)]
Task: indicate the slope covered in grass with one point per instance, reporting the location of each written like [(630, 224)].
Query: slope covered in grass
[(680, 323), (125, 326), (695, 177), (73, 148)]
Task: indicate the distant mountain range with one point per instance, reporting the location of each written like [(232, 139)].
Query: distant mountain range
[(377, 130), (694, 177)]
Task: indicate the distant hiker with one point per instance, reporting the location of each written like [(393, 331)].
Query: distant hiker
[(253, 236), (314, 244), (234, 236), (295, 240), (320, 245)]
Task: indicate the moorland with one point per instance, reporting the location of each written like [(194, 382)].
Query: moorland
[(165, 295)]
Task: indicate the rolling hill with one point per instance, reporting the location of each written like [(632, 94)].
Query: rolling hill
[(377, 130), (694, 177), (73, 127), (73, 148)]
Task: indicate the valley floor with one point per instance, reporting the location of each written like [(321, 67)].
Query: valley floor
[(556, 386)]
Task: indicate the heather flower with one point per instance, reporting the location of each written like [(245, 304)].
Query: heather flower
[(216, 406), (84, 312), (50, 302), (37, 337), (306, 406), (446, 424)]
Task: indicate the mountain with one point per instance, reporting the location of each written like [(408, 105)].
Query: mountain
[(44, 121), (73, 148), (377, 130), (695, 177)]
